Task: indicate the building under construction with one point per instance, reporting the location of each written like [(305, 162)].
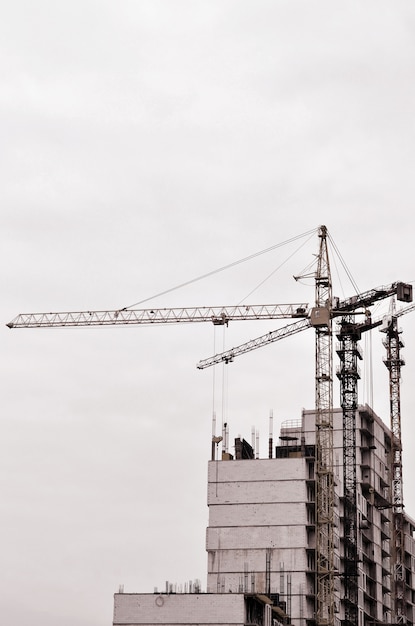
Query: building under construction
[(315, 534), (261, 539)]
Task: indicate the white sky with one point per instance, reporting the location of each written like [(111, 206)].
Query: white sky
[(145, 143)]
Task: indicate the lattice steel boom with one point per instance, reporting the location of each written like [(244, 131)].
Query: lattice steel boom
[(217, 315), (253, 344)]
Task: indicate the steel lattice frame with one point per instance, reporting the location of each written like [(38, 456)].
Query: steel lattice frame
[(349, 354), (217, 315), (324, 446), (394, 362), (253, 344)]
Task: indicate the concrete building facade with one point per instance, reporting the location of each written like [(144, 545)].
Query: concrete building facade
[(204, 609), (261, 536)]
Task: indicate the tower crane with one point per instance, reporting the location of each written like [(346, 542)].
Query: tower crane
[(349, 334), (319, 317), (394, 362)]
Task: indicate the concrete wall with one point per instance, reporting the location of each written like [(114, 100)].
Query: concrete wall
[(267, 514), (255, 506), (256, 470), (179, 609), (253, 537), (259, 492)]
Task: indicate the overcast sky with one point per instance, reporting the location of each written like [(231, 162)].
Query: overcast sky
[(146, 143)]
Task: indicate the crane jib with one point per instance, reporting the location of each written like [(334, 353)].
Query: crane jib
[(217, 315)]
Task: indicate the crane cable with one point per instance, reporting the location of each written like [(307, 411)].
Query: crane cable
[(221, 269), (224, 387), (368, 343), (277, 268), (342, 261)]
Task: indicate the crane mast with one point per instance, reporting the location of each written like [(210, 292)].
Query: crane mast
[(321, 319), (348, 350), (394, 362)]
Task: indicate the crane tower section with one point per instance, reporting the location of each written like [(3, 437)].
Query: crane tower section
[(348, 373), (321, 320), (394, 362)]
